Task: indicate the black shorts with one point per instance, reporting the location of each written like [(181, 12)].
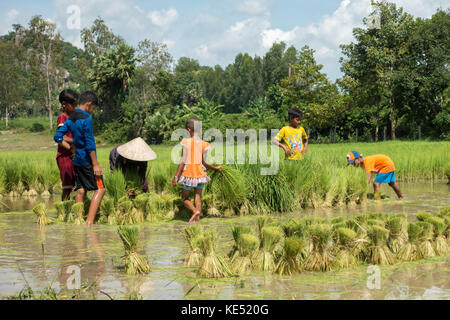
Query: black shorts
[(85, 179)]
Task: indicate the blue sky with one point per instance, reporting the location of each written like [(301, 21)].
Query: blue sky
[(214, 31)]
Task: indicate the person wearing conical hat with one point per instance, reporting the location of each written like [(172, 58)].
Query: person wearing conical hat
[(132, 157)]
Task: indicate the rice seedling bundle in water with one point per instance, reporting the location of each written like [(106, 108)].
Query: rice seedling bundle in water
[(289, 262), (425, 247), (194, 236), (41, 213), (140, 202), (13, 178), (378, 252), (30, 177), (212, 264), (60, 210), (48, 177), (108, 211), (422, 216), (126, 215), (409, 251), (237, 231), (295, 228), (439, 227), (376, 222), (265, 256), (78, 211), (134, 263), (154, 208), (68, 211), (246, 245), (345, 257), (229, 185), (320, 259), (398, 233)]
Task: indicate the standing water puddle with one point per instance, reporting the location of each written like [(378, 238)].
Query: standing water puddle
[(44, 257)]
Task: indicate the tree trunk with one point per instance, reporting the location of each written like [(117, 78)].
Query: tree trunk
[(377, 129), (6, 117), (393, 117)]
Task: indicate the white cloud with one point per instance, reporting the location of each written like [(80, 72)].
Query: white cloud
[(9, 19), (12, 14), (254, 7), (163, 18)]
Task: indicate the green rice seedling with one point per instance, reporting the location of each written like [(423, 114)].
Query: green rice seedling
[(212, 264), (439, 227), (126, 215), (309, 221), (41, 213), (264, 221), (48, 177), (444, 212), (425, 247), (168, 207), (133, 262), (264, 258), (229, 185), (107, 211), (422, 216), (2, 180), (357, 185), (295, 228), (13, 175), (30, 178), (289, 263), (68, 211), (140, 202), (320, 259), (153, 208), (237, 231), (409, 251), (378, 252), (398, 233), (376, 222), (60, 210), (194, 236), (159, 175), (78, 211), (115, 185), (246, 245), (345, 255)]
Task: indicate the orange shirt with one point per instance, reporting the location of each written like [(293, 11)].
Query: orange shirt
[(379, 163), (193, 152)]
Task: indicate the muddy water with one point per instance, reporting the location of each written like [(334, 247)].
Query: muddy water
[(46, 257)]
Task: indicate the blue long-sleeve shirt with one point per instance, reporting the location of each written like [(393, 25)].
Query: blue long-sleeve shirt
[(80, 124)]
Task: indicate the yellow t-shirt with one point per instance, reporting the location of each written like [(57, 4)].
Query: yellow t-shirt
[(293, 139)]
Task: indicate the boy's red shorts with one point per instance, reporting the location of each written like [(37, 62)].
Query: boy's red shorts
[(67, 172)]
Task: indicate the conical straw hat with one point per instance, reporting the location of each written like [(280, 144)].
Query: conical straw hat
[(137, 150)]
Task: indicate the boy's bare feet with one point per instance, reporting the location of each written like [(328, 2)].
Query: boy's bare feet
[(195, 217)]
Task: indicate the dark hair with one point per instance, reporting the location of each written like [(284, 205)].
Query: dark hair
[(190, 123), (69, 96), (294, 113), (89, 96)]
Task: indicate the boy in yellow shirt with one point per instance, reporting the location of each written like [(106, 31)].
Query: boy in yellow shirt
[(293, 139), (380, 164)]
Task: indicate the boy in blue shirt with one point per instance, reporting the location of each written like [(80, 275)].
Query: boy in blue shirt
[(88, 173)]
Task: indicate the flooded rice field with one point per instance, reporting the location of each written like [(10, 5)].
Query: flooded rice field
[(50, 256)]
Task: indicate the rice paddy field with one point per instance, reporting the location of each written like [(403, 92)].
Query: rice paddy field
[(42, 239)]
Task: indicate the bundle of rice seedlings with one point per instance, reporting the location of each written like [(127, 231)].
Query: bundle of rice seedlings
[(378, 252), (439, 227), (289, 262), (60, 210), (422, 216), (409, 251), (320, 259), (425, 247), (246, 245), (68, 210), (2, 180), (126, 215), (133, 262), (345, 257), (264, 221), (194, 236), (309, 221), (140, 202), (212, 265), (295, 228), (41, 213), (264, 258), (356, 186), (108, 211), (78, 211), (229, 185), (444, 212), (398, 233), (237, 231), (153, 211), (115, 185), (376, 222), (30, 177)]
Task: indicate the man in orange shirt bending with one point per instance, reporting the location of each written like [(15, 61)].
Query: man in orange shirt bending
[(380, 164)]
